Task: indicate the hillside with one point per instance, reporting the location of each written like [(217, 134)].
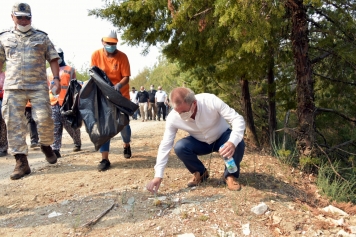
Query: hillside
[(67, 198)]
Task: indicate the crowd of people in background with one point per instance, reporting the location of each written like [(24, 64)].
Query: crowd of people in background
[(153, 103), (33, 99)]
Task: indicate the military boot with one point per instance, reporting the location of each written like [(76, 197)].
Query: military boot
[(50, 155), (21, 168)]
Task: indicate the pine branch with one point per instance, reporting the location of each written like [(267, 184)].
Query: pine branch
[(320, 12), (311, 20), (337, 113), (321, 57), (341, 145), (322, 136), (331, 79), (200, 13), (290, 131)]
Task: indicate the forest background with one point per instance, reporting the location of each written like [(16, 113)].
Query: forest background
[(288, 66)]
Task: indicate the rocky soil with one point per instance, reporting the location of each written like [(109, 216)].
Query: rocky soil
[(71, 198)]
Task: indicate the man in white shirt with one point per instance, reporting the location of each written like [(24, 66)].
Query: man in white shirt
[(133, 95), (161, 100), (206, 118)]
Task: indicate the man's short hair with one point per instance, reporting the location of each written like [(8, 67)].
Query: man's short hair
[(181, 95)]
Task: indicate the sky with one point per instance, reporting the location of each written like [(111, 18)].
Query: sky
[(68, 26)]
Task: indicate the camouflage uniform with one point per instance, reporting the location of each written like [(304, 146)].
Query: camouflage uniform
[(26, 55), (66, 74), (59, 123)]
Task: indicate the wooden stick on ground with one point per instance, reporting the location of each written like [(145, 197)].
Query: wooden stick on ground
[(96, 219)]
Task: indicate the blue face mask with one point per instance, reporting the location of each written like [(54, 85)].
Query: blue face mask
[(110, 48)]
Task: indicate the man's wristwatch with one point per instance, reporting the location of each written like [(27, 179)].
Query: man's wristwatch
[(57, 78)]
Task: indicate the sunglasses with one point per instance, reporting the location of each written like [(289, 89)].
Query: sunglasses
[(24, 17)]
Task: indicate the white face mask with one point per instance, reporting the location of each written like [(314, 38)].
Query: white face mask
[(186, 115), (152, 88), (24, 28)]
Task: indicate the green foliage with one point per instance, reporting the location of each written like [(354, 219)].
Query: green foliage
[(141, 79), (307, 163), (338, 188), (211, 45), (163, 74), (82, 74), (284, 153)]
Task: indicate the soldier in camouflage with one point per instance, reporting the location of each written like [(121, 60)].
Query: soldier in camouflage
[(25, 51)]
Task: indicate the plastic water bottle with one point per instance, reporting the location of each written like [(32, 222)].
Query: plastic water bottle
[(54, 89), (230, 163)]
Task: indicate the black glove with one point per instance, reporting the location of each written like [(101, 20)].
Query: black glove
[(117, 87)]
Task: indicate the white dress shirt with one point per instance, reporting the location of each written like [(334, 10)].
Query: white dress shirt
[(211, 121), (161, 96), (133, 97)]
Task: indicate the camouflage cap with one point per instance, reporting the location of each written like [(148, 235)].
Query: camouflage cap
[(21, 9)]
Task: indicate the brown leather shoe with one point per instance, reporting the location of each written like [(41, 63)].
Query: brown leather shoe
[(232, 183), (197, 179), (22, 168)]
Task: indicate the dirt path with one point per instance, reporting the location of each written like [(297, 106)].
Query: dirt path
[(63, 199), (36, 157)]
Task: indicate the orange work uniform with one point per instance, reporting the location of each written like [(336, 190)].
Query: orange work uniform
[(116, 68)]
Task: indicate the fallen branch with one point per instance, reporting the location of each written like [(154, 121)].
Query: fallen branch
[(96, 219), (331, 165)]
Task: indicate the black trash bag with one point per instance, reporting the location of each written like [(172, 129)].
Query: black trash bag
[(69, 109), (105, 111)]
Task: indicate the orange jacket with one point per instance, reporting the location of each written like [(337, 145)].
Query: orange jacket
[(66, 73)]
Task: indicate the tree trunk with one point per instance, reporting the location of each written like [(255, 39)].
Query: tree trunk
[(305, 90), (250, 124), (272, 120)]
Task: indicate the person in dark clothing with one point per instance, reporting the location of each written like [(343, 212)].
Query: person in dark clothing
[(3, 131), (32, 127), (143, 97), (152, 108)]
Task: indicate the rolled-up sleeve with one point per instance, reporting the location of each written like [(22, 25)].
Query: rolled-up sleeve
[(236, 121)]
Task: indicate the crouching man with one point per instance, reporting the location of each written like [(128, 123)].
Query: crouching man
[(206, 118)]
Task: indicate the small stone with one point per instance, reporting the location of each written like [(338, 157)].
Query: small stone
[(65, 202), (131, 200), (259, 209)]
